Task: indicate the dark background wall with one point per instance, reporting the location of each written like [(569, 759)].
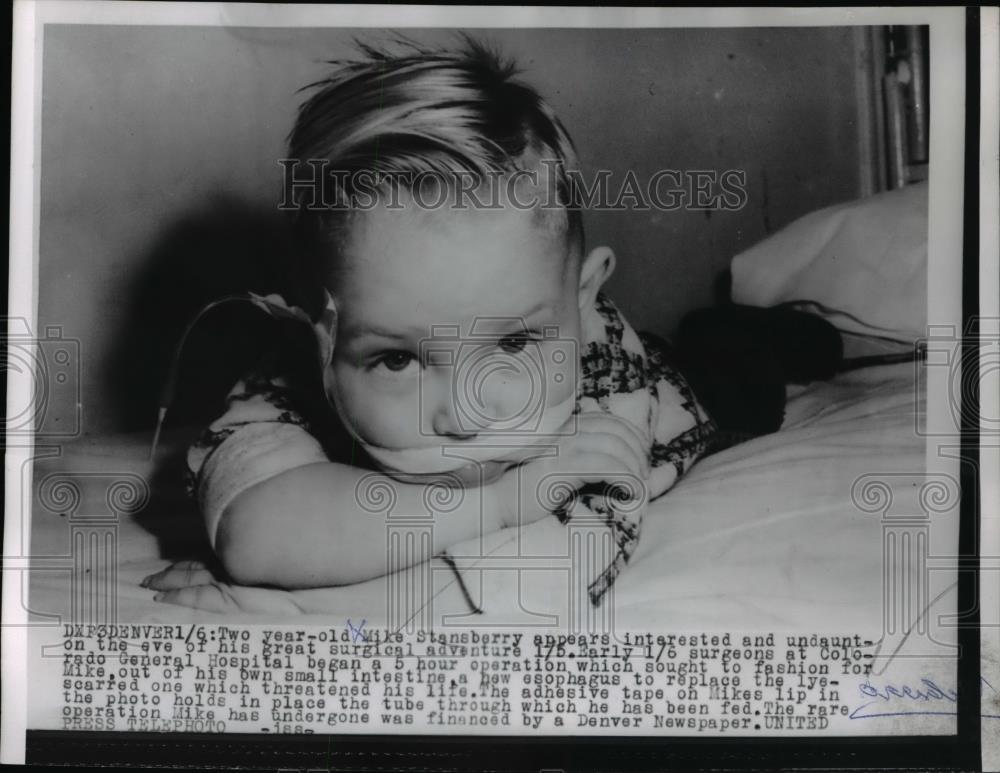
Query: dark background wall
[(159, 174)]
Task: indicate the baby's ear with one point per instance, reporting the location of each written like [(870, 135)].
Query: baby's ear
[(597, 266)]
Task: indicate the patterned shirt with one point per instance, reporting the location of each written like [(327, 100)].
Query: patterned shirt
[(277, 418)]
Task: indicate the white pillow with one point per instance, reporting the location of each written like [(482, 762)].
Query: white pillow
[(867, 258)]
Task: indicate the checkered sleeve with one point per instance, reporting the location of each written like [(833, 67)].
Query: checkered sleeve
[(261, 434), (683, 431)]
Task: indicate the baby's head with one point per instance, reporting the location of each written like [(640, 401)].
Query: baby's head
[(449, 236)]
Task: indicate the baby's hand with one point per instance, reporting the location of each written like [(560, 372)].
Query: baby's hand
[(190, 584), (194, 584), (183, 574), (602, 449)]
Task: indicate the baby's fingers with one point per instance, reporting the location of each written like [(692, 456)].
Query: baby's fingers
[(180, 575), (622, 450), (605, 424)]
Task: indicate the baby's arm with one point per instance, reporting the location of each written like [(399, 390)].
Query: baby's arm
[(279, 512), (306, 527)]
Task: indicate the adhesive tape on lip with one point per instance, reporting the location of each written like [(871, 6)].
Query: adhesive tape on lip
[(489, 453)]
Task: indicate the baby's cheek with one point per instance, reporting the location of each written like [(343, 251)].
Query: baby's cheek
[(385, 415)]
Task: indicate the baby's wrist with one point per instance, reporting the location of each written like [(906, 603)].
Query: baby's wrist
[(517, 492)]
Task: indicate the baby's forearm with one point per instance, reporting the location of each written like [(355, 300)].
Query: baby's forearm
[(306, 528)]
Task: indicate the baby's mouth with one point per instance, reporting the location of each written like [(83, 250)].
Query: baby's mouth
[(468, 476), (471, 458), (453, 462)]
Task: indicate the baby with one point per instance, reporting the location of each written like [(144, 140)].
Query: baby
[(463, 339)]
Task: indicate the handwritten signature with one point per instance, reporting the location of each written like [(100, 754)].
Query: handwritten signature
[(927, 693)]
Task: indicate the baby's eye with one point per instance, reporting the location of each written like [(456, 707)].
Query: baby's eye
[(514, 342), (395, 361)]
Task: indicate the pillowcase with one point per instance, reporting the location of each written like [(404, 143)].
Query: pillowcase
[(864, 258)]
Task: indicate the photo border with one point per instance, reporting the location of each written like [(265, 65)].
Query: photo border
[(572, 752)]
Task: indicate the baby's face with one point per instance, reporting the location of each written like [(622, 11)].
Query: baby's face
[(453, 324)]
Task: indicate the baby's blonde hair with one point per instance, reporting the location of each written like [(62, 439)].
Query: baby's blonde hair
[(424, 111)]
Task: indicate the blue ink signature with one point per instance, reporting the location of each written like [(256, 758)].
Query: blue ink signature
[(928, 692), (356, 632)]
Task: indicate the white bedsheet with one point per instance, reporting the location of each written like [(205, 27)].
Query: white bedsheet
[(761, 536)]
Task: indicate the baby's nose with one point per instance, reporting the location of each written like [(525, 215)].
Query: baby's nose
[(446, 422), (438, 394)]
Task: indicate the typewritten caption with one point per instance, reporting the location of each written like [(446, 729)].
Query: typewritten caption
[(194, 678)]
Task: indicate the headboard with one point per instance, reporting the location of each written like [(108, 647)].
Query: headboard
[(894, 104)]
